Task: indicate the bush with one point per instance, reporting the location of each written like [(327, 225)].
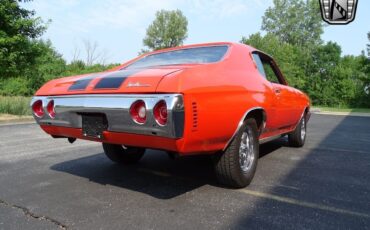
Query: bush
[(15, 105), (15, 87)]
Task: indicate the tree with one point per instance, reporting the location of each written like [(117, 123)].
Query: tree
[(169, 29), (18, 30), (322, 72), (368, 45), (50, 64), (93, 54), (296, 22), (286, 55)]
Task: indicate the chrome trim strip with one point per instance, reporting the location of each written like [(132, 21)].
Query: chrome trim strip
[(268, 139), (240, 125), (116, 108)]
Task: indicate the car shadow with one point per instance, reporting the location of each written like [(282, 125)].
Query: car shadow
[(156, 174), (327, 188)]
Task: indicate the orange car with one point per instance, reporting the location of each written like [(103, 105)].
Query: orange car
[(217, 98)]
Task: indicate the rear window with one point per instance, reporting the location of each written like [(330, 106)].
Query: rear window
[(198, 55)]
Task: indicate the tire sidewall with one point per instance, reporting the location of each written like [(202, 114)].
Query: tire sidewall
[(305, 129), (251, 127), (118, 154)]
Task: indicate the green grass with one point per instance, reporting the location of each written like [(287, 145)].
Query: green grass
[(16, 105), (335, 109)]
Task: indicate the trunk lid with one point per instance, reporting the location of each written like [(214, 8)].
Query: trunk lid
[(122, 81)]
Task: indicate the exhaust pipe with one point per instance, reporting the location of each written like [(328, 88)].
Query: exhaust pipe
[(71, 140)]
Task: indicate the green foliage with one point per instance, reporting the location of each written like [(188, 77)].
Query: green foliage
[(286, 55), (328, 78), (27, 86), (18, 29), (368, 45), (293, 38), (296, 22), (15, 105), (15, 86), (79, 67), (169, 29), (27, 62), (50, 63)]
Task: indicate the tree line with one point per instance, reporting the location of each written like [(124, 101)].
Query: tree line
[(292, 35), (291, 32)]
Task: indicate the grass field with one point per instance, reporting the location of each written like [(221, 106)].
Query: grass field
[(16, 105), (333, 109)]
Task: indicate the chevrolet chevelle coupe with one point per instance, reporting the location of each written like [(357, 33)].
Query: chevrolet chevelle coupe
[(222, 99)]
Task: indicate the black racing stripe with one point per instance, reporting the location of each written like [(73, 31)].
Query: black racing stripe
[(115, 80), (110, 83), (82, 83)]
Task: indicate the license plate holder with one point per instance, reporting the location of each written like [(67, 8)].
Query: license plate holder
[(93, 125)]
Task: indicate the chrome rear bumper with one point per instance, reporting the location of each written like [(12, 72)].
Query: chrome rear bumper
[(116, 109)]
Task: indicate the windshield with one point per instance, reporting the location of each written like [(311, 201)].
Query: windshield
[(198, 55)]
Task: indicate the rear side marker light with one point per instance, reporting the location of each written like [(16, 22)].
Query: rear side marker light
[(50, 108), (138, 112), (160, 113), (37, 109)]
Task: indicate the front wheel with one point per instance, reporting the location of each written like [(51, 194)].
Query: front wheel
[(236, 166), (123, 154)]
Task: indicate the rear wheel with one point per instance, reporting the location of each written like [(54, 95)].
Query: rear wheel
[(297, 138), (236, 166), (122, 154)]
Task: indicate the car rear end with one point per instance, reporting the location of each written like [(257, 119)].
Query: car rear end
[(113, 118), (124, 106)]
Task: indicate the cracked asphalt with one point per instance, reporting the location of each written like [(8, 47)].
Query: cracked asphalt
[(48, 183)]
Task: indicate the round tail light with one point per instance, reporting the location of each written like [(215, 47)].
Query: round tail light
[(50, 109), (138, 112), (37, 109), (160, 113)]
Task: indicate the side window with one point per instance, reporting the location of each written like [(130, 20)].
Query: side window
[(259, 64)]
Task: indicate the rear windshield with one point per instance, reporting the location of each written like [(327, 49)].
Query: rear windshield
[(198, 55)]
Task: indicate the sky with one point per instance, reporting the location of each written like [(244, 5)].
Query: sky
[(118, 26)]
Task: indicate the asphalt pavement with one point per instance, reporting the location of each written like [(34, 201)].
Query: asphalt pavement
[(47, 183)]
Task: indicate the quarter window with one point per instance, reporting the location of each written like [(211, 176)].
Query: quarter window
[(259, 64), (270, 74), (266, 68)]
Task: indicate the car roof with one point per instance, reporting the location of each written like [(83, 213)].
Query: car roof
[(235, 44)]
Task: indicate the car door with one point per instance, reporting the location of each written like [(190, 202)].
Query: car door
[(283, 109)]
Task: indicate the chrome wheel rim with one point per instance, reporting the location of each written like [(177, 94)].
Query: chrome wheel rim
[(246, 151), (303, 129)]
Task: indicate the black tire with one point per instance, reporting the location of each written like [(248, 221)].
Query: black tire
[(229, 169), (297, 138), (172, 155), (121, 155)]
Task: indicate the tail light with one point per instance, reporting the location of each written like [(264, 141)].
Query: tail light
[(37, 109), (138, 112), (50, 109), (160, 113)]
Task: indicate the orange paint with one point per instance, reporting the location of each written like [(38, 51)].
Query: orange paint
[(222, 92)]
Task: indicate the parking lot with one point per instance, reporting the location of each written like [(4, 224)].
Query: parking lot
[(48, 183)]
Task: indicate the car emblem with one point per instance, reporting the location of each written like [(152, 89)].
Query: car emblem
[(338, 12), (137, 84)]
